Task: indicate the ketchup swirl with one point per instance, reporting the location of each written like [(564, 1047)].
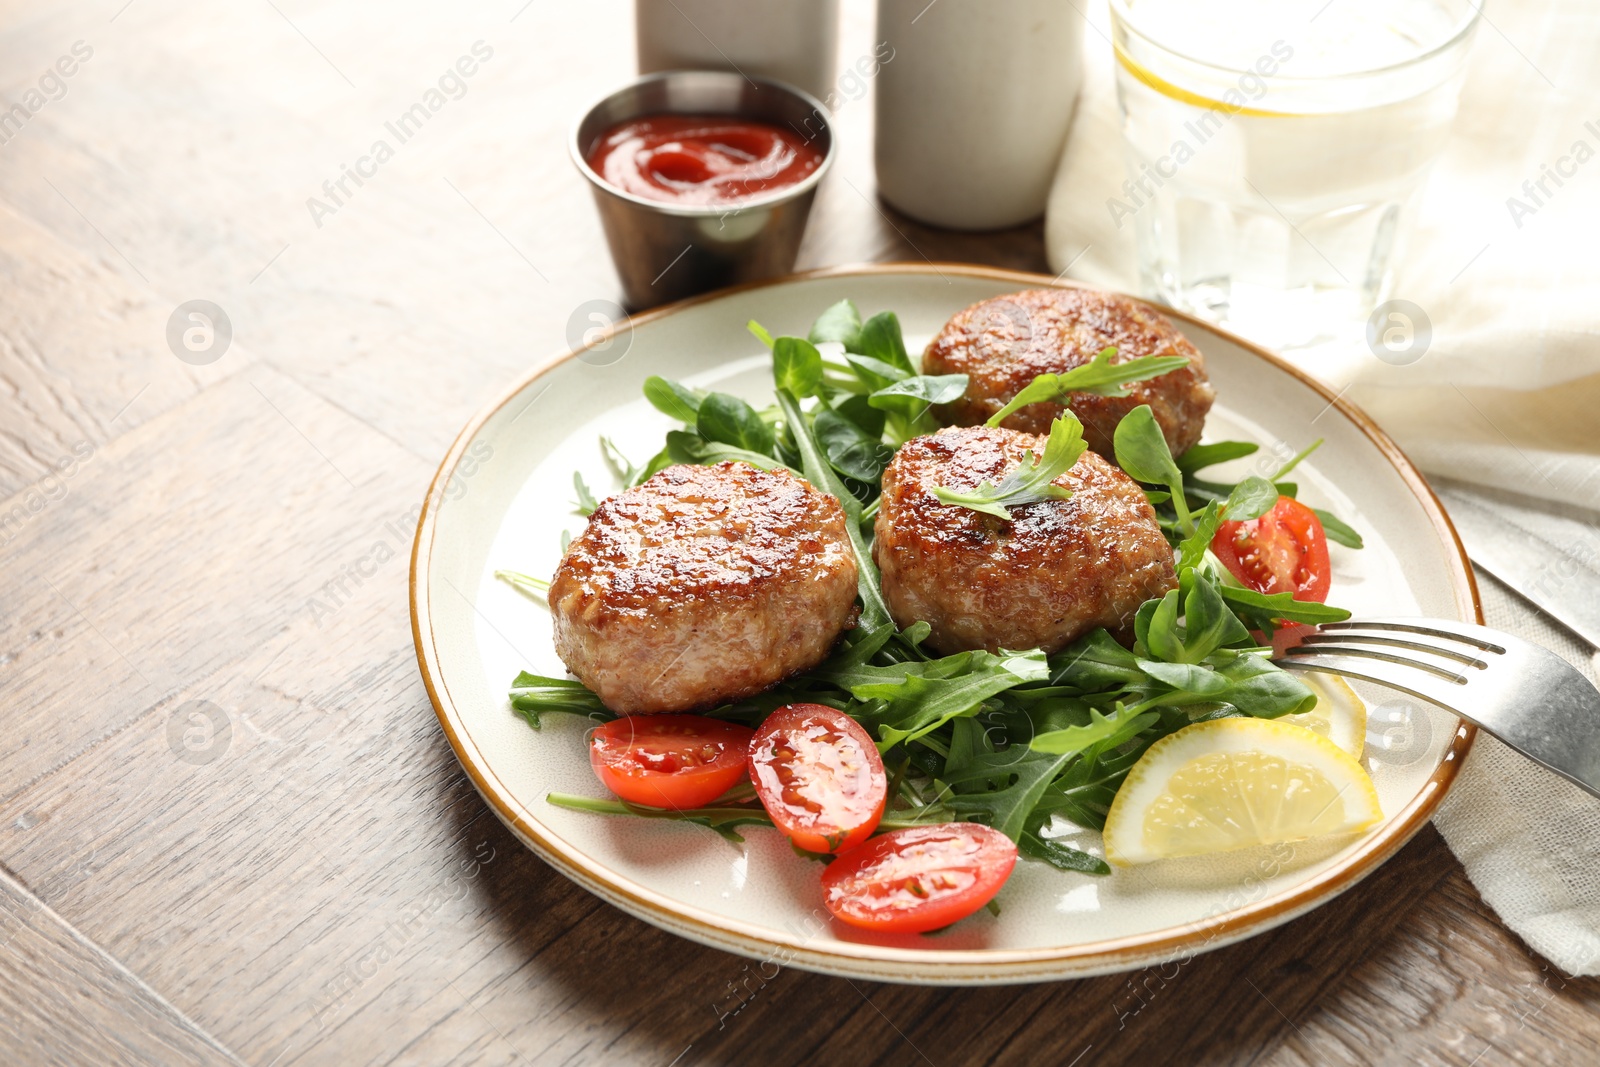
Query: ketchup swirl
[(701, 160)]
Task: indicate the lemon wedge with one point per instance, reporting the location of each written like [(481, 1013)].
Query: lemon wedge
[(1235, 783), (1340, 715)]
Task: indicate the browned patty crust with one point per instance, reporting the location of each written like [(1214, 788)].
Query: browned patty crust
[(1003, 343), (1056, 571), (702, 586)]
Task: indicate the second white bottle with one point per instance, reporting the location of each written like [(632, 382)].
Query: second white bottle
[(974, 111)]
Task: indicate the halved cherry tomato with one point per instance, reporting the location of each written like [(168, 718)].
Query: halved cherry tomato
[(920, 878), (819, 776), (669, 761), (1284, 551)]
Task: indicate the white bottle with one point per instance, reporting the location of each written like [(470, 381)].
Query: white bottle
[(974, 111), (794, 41)]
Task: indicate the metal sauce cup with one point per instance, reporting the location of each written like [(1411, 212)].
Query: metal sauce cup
[(668, 251)]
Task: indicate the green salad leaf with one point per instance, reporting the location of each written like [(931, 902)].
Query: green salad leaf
[(797, 366), (1098, 377), (881, 339), (722, 820), (586, 502), (820, 473), (1338, 531), (1202, 456), (674, 400), (1032, 480), (840, 324), (727, 420)]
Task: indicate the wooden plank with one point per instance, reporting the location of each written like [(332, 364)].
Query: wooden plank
[(83, 358), (63, 1001), (178, 548)]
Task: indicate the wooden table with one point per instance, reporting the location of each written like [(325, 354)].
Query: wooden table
[(310, 878)]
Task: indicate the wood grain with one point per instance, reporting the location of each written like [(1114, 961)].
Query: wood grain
[(230, 827), (79, 1005)]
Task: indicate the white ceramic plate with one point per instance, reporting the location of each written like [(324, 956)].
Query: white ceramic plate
[(503, 496)]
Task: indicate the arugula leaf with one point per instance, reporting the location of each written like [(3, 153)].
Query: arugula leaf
[(1201, 456), (658, 463), (968, 739), (858, 647), (840, 323), (913, 636), (722, 820), (859, 411), (1337, 530), (533, 694), (1030, 481), (851, 450), (1199, 487), (1084, 790), (819, 472), (1114, 729), (1161, 635), (535, 589), (874, 373), (908, 400), (1295, 462), (1005, 808), (586, 502), (1208, 622), (674, 399), (1251, 499), (1093, 663), (1259, 687), (1192, 549), (1189, 682), (921, 697), (685, 446), (1062, 857), (881, 339), (625, 471), (1098, 377), (730, 421), (1281, 606), (1143, 453), (914, 395), (797, 366)]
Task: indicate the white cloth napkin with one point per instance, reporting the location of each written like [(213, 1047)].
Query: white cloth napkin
[(1507, 395)]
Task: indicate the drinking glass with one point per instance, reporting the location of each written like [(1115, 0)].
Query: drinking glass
[(1276, 148)]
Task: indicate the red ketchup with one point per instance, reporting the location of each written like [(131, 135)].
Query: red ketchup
[(701, 160)]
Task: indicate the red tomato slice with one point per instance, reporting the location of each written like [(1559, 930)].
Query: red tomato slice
[(669, 761), (819, 776), (1284, 551), (920, 878)]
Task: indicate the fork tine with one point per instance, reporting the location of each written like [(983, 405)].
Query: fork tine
[(1480, 637), (1351, 636), (1385, 672), (1455, 677)]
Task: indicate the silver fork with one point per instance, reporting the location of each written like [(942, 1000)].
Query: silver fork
[(1525, 695)]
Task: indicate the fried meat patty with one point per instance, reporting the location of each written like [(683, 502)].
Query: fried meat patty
[(1057, 570), (1003, 343), (701, 586)]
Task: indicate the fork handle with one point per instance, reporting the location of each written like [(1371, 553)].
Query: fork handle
[(1563, 734)]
